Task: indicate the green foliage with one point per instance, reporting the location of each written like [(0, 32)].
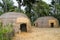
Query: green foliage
[(57, 16), (5, 32), (1, 12), (7, 5), (57, 12), (41, 9)]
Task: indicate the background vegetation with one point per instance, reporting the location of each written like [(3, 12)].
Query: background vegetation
[(6, 32)]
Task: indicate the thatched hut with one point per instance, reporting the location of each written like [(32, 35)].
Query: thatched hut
[(20, 21), (46, 22)]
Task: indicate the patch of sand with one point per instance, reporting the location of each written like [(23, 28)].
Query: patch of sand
[(39, 34)]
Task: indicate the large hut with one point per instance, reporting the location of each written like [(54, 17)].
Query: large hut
[(46, 22), (20, 21)]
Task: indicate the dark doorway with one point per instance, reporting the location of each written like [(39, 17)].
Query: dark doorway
[(23, 27), (34, 24), (52, 25)]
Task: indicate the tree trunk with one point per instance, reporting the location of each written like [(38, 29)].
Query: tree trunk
[(5, 5)]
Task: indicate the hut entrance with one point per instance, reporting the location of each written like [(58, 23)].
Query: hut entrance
[(52, 25), (23, 27)]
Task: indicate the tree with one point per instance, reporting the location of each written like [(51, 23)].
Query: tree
[(41, 9), (32, 11), (28, 4), (57, 14), (56, 11), (7, 5), (19, 4)]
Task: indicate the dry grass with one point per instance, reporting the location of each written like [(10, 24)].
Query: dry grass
[(39, 34)]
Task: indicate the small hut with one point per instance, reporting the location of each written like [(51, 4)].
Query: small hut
[(20, 21), (46, 22)]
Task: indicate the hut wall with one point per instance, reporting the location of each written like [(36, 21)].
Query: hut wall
[(45, 22)]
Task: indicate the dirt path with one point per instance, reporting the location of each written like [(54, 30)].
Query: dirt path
[(40, 34)]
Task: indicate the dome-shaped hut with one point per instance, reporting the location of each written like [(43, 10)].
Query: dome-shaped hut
[(20, 21), (46, 22)]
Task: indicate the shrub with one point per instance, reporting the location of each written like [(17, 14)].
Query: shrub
[(6, 32)]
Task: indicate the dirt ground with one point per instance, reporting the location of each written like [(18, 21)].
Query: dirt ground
[(39, 34)]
